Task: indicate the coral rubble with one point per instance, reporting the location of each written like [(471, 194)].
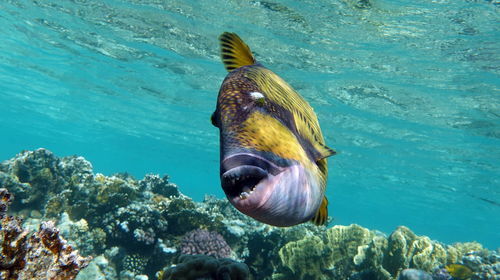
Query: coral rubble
[(142, 229)]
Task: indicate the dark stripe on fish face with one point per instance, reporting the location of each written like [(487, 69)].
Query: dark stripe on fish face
[(250, 160), (288, 119)]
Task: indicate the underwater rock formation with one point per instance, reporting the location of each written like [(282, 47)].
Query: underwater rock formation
[(193, 267), (40, 255), (135, 229)]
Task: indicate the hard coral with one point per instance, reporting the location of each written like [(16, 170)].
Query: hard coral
[(407, 250), (205, 242), (335, 256), (136, 224), (42, 255), (134, 263), (34, 175), (306, 258)]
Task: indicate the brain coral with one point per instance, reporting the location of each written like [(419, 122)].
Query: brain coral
[(205, 242)]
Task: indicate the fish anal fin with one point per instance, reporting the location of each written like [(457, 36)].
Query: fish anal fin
[(322, 214), (234, 52)]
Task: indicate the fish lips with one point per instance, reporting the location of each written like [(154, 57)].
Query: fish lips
[(275, 195), (241, 173)]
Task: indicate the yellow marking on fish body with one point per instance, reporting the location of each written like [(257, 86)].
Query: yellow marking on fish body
[(264, 133), (283, 94)]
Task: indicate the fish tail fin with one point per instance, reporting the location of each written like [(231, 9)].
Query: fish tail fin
[(322, 214), (234, 52)]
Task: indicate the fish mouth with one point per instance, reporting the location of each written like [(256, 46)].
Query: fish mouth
[(242, 173)]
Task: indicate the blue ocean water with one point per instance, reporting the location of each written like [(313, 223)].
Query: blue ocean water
[(406, 92)]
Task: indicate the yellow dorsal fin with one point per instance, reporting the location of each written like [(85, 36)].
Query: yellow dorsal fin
[(234, 52), (322, 214)]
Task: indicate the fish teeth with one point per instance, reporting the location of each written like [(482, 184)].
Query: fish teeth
[(244, 195), (246, 189)]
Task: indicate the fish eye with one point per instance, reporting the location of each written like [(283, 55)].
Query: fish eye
[(258, 97)]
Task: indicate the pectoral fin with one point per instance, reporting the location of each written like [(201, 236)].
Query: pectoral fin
[(325, 152)]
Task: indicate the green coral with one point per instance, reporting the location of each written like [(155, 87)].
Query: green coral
[(458, 250), (426, 255), (305, 258), (114, 190), (332, 256), (407, 250), (370, 258), (343, 251)]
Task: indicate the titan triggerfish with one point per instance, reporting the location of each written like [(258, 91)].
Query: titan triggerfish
[(272, 153)]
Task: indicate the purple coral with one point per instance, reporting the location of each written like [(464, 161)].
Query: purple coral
[(205, 242)]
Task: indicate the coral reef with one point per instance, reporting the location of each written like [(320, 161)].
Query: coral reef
[(136, 229), (203, 242), (407, 250), (40, 255)]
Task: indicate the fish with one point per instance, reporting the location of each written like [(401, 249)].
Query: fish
[(459, 271), (273, 164)]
